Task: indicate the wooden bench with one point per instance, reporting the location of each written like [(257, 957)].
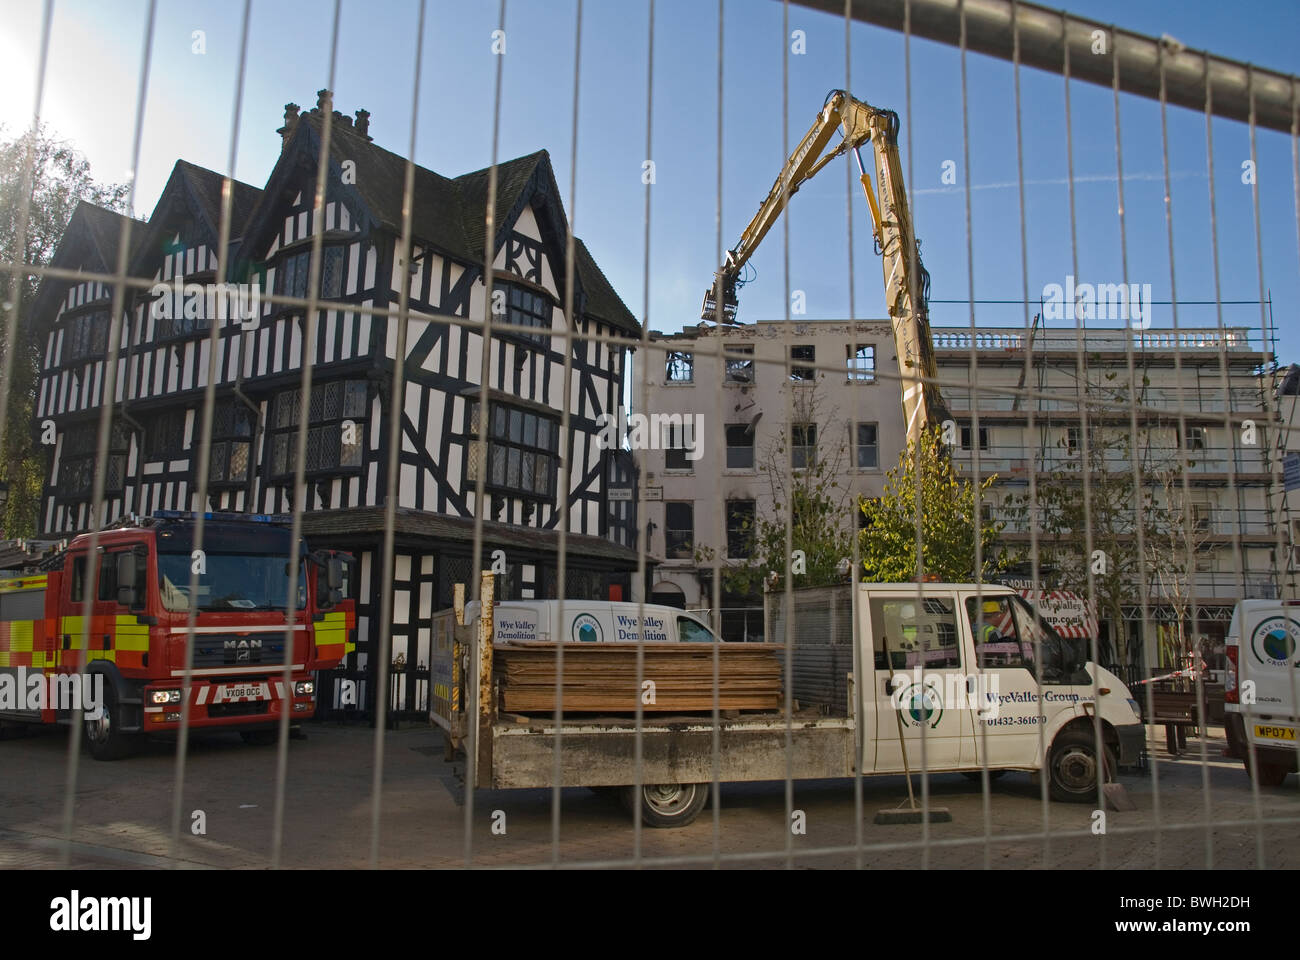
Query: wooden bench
[(1175, 710)]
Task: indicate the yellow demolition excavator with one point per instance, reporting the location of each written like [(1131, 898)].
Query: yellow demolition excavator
[(907, 283)]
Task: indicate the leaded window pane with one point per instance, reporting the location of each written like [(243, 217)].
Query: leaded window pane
[(354, 403)]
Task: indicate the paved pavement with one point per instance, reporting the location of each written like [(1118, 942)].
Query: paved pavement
[(123, 811)]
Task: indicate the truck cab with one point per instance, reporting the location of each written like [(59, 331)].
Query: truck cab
[(985, 682)]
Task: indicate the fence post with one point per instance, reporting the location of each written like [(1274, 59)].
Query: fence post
[(486, 708)]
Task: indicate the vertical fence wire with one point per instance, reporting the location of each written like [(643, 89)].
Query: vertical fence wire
[(1035, 571), (473, 747), (788, 464), (567, 443), (719, 452), (1082, 386), (635, 796), (860, 684), (1148, 691), (397, 394), (298, 501), (1238, 553), (975, 396), (914, 259), (97, 503), (205, 445), (1133, 441)]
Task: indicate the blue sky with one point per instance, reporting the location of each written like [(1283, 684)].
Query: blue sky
[(96, 56)]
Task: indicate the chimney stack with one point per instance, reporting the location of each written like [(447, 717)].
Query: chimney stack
[(290, 124), (324, 105)]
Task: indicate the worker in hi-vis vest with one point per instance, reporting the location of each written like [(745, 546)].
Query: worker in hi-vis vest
[(987, 634)]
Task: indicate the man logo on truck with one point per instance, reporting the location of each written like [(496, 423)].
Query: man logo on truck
[(1273, 641)]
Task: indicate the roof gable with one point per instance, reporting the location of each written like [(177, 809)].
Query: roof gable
[(90, 243), (448, 214), (192, 197), (529, 181)]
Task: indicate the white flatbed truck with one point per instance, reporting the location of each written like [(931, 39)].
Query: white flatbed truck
[(968, 668)]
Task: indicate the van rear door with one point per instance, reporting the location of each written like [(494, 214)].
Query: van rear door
[(1268, 655)]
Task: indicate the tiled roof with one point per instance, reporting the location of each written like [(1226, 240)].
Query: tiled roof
[(449, 213), (206, 184)]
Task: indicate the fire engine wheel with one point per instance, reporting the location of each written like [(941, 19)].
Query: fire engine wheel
[(104, 733), (1073, 767), (667, 804)]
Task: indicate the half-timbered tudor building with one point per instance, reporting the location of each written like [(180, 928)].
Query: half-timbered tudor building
[(73, 318), (444, 407)]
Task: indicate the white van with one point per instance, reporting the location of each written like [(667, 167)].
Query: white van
[(592, 621), (1261, 689)]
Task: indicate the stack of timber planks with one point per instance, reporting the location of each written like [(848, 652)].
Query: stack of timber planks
[(602, 677)]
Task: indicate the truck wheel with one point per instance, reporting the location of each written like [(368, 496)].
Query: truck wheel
[(667, 804), (104, 734), (261, 737), (1267, 774), (1073, 768)]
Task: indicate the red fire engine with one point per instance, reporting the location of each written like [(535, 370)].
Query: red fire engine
[(129, 659)]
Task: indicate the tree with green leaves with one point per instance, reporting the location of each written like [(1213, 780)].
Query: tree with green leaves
[(950, 520), (53, 177)]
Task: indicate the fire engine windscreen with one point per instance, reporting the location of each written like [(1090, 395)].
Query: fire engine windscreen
[(239, 568)]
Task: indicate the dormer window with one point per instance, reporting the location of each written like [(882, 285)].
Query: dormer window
[(523, 308), (294, 270), (85, 336)]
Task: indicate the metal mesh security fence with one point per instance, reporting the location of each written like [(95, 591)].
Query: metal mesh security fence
[(896, 612)]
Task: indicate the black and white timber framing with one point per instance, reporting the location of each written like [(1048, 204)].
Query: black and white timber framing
[(163, 365)]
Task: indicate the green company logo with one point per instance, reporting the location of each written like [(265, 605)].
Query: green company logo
[(586, 629), (1274, 641), (919, 703)]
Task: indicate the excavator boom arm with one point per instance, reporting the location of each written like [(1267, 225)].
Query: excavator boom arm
[(906, 280)]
